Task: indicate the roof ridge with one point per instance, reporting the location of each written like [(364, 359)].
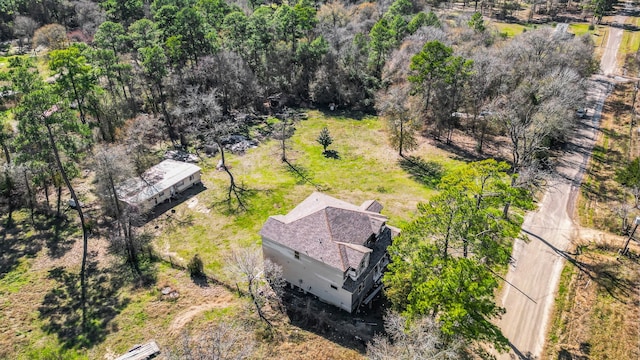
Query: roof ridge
[(343, 255), (366, 212)]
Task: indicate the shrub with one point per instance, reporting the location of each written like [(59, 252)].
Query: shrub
[(52, 36), (195, 266)]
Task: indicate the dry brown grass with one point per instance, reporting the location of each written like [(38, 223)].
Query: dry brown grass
[(596, 310), (617, 143), (595, 314)]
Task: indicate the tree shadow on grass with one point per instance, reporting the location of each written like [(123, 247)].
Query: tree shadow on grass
[(238, 202), (331, 154), (302, 175), (427, 173), (61, 237), (26, 239), (604, 274), (61, 308)]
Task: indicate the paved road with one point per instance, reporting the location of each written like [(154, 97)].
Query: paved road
[(532, 279)]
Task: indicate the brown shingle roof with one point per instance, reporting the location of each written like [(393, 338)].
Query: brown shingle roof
[(326, 229)]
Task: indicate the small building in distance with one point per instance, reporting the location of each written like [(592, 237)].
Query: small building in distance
[(332, 249), (158, 184)]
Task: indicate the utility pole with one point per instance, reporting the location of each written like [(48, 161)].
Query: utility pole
[(626, 245), (633, 118)]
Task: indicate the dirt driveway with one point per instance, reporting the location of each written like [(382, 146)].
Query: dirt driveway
[(532, 279)]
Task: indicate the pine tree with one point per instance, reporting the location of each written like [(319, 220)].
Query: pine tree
[(324, 139)]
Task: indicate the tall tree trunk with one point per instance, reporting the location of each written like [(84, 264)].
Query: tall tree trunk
[(167, 119), (8, 183), (255, 302), (234, 189), (59, 201), (30, 197), (401, 140), (85, 230), (132, 255), (283, 140), (79, 100), (46, 195), (7, 154)]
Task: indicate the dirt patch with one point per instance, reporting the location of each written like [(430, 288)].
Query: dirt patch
[(193, 204), (181, 320)]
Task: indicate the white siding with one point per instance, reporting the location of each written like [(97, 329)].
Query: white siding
[(309, 274)]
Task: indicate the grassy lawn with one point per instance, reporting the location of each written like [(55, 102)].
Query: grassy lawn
[(367, 168), (511, 30), (599, 35), (580, 29)]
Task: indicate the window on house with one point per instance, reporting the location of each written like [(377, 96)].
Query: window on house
[(334, 287), (161, 193), (180, 183), (191, 177), (296, 254), (360, 287)]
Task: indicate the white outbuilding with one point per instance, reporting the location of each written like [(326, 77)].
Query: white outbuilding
[(158, 184)]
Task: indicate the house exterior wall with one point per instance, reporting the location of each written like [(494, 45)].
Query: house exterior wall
[(372, 275), (369, 282), (186, 183), (166, 193), (309, 274)]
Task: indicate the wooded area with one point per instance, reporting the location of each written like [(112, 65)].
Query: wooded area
[(98, 90)]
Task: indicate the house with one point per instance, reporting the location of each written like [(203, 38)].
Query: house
[(158, 184), (332, 249)]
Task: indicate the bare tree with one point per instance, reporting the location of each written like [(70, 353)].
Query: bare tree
[(393, 105), (89, 15), (142, 133), (53, 36), (202, 117), (246, 265), (125, 240), (13, 189), (284, 130), (622, 211), (112, 165), (23, 28), (221, 341), (419, 339), (536, 111), (481, 90)]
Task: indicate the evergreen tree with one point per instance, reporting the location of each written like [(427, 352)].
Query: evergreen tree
[(324, 139)]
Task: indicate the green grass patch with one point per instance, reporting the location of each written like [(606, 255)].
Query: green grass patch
[(366, 167), (53, 351), (511, 30), (630, 42), (563, 301), (13, 281), (219, 314), (580, 29)]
